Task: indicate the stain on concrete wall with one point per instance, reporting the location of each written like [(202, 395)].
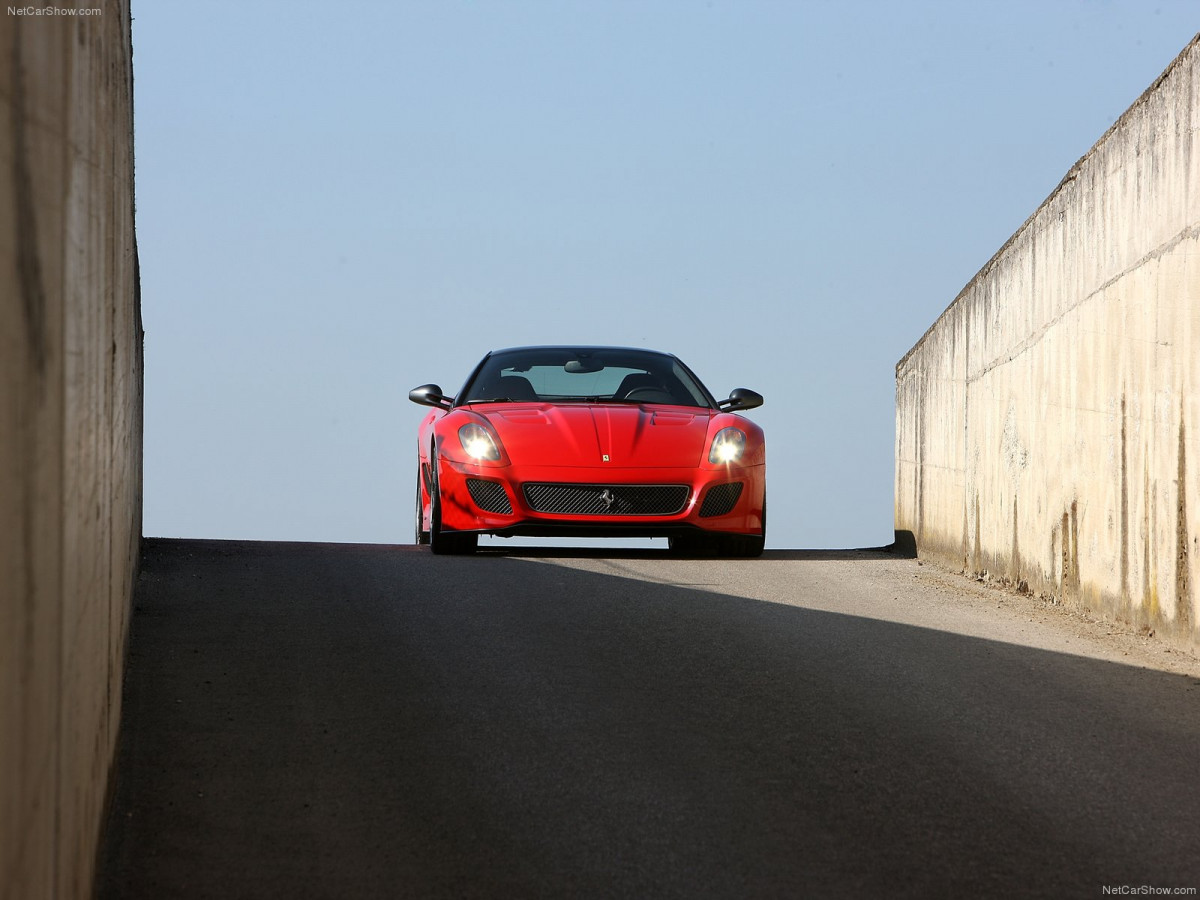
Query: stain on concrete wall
[(70, 433), (1043, 423)]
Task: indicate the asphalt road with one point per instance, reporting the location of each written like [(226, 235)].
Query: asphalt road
[(359, 721)]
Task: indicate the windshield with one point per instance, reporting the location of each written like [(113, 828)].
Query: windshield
[(596, 374)]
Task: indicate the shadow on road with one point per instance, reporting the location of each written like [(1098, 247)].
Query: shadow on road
[(654, 553), (371, 721), (518, 551)]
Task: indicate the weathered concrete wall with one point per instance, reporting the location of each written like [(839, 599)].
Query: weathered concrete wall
[(70, 433), (1047, 425)]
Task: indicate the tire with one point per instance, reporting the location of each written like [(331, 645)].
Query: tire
[(691, 545), (740, 546), (422, 536), (749, 546), (446, 542), (744, 546)]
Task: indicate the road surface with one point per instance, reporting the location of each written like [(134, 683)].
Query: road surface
[(320, 720)]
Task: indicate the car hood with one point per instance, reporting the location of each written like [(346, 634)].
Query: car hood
[(582, 435)]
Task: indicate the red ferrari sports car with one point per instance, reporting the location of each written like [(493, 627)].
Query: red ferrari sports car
[(590, 442)]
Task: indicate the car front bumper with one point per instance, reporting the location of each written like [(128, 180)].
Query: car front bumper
[(462, 511)]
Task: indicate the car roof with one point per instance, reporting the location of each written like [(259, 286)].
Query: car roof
[(578, 347)]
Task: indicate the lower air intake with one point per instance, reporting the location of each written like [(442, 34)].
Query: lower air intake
[(607, 499), (720, 499), (489, 496)]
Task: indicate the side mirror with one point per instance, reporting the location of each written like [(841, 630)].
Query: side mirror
[(741, 398), (430, 395)]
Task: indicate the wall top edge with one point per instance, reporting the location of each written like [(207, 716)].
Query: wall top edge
[(1192, 48)]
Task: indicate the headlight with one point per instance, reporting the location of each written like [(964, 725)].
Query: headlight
[(727, 446), (477, 443)]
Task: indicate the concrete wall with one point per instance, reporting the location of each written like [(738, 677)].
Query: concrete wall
[(70, 434), (1048, 424)]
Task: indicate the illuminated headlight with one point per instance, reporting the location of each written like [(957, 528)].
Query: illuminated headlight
[(727, 446), (477, 443)]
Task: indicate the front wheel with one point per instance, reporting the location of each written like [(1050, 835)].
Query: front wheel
[(422, 536), (749, 546), (745, 546), (741, 546), (691, 544), (440, 541)]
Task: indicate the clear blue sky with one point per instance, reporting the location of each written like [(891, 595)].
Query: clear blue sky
[(337, 202)]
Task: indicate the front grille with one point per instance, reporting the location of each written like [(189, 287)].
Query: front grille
[(489, 496), (720, 499), (607, 499)]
